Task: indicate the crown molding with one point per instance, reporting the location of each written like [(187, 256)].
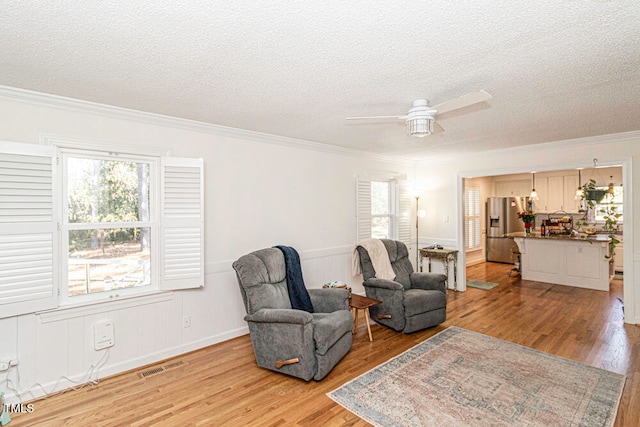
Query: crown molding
[(77, 105), (532, 148)]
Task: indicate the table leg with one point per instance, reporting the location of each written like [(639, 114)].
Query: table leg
[(455, 273), (446, 272), (354, 312), (429, 265), (366, 317)]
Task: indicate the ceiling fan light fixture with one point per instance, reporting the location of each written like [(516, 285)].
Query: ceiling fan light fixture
[(420, 126)]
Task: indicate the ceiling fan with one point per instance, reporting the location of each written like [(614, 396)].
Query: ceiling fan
[(421, 118)]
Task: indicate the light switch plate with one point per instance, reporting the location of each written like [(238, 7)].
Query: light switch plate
[(103, 334)]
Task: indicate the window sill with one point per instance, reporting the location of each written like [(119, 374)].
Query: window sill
[(84, 309)]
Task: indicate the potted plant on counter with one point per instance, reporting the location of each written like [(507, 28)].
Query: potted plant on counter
[(527, 217)]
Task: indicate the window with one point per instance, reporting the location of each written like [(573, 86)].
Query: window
[(85, 225), (472, 218), (610, 204), (382, 212), (109, 222), (383, 209)]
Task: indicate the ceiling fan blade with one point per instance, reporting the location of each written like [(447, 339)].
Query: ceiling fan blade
[(462, 101), (376, 117), (437, 128)]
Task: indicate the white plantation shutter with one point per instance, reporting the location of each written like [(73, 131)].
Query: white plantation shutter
[(182, 229), (27, 229), (404, 212), (363, 209), (472, 218)]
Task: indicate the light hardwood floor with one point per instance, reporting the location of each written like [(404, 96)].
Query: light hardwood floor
[(221, 384)]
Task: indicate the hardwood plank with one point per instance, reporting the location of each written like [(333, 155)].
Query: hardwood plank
[(221, 384)]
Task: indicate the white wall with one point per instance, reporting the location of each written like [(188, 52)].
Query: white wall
[(261, 191), (446, 176)]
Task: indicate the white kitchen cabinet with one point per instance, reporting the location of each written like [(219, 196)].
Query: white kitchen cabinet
[(572, 262), (540, 205), (570, 204), (512, 188), (557, 193)]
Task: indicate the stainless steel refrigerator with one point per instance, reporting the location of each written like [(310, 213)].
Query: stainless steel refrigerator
[(502, 219)]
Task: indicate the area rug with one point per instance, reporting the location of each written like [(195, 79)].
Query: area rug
[(463, 378), (485, 286)]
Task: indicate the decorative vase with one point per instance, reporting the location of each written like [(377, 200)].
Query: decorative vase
[(527, 228)]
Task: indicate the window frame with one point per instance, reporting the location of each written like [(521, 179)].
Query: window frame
[(391, 209), (399, 215), (64, 153), (603, 204)]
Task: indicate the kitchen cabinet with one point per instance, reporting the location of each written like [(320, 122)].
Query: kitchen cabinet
[(557, 193), (566, 261), (570, 204), (541, 204), (512, 188)]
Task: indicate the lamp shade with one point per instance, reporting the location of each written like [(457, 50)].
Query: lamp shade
[(534, 194), (420, 126)]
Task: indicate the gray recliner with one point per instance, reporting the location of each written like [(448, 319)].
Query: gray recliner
[(411, 302), (294, 342)]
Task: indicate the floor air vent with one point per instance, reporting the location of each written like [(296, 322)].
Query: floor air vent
[(160, 369)]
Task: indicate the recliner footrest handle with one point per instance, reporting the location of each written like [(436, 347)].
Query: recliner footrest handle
[(384, 316), (281, 363)]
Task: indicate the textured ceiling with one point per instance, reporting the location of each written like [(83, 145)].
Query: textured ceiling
[(557, 70)]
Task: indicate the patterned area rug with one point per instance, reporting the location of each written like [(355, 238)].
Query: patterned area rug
[(485, 286), (463, 378)]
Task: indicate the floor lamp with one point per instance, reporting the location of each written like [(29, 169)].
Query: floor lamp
[(419, 214)]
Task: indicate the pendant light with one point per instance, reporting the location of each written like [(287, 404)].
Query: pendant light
[(579, 190), (611, 184), (534, 193)]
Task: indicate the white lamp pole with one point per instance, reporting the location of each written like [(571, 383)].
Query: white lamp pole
[(417, 228), (419, 214)]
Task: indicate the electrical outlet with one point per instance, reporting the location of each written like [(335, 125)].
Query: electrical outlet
[(186, 322)]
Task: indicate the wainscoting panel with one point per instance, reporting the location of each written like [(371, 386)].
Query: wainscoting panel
[(59, 344)]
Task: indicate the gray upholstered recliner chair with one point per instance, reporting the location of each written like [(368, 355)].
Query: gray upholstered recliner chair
[(295, 342), (411, 302)]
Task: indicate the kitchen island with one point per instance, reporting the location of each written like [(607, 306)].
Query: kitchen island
[(565, 260)]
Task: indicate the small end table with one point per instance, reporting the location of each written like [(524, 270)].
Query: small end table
[(359, 302), (445, 255)]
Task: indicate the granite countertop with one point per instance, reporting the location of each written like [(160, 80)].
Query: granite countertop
[(580, 237)]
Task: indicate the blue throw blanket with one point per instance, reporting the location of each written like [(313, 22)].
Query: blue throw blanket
[(298, 294)]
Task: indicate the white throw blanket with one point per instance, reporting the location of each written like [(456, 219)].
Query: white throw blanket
[(379, 259)]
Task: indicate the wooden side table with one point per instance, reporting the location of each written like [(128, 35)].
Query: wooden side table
[(359, 302), (446, 255)]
